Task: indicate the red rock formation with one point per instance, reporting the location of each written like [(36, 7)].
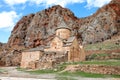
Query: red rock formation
[(35, 29), (102, 25)]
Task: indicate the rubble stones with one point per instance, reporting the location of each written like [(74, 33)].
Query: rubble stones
[(99, 69)]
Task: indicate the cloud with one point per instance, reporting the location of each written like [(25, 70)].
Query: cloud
[(55, 2), (96, 3), (15, 2), (90, 3), (8, 19)]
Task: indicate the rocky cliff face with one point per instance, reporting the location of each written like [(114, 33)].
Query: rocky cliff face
[(102, 25), (1, 44), (38, 29)]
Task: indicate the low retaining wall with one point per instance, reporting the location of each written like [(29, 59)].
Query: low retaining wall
[(99, 69), (89, 52)]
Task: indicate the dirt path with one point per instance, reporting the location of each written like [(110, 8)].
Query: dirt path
[(16, 78), (12, 74)]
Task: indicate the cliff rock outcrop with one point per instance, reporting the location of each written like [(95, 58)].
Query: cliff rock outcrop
[(37, 29), (102, 25)]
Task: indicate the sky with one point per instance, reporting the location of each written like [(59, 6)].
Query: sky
[(11, 11)]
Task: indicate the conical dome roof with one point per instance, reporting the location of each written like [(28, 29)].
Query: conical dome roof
[(62, 25)]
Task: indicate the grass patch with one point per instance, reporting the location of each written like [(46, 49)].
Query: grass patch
[(72, 75), (84, 74), (103, 56), (42, 71), (107, 63), (2, 70), (21, 69), (91, 75), (117, 58), (102, 46), (64, 78), (36, 71), (98, 62)]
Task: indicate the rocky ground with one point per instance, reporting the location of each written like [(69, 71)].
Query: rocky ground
[(38, 29), (100, 69), (13, 72)]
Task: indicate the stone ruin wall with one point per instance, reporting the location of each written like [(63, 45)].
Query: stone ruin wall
[(48, 61), (28, 57)]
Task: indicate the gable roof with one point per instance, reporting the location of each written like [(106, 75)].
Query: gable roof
[(40, 48)]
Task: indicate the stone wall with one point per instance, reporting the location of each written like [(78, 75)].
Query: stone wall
[(28, 57), (55, 45), (48, 61), (82, 54), (53, 55), (76, 53), (99, 69)]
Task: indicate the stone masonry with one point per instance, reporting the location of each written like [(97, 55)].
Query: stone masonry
[(62, 48)]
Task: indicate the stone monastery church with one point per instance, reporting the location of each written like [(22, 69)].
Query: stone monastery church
[(62, 48)]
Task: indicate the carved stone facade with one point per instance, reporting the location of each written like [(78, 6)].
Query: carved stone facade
[(63, 48)]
